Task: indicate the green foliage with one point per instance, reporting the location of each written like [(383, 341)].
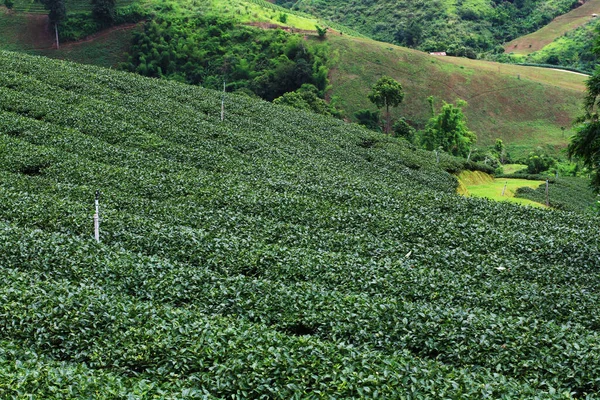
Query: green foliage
[(501, 152), (564, 193), (78, 25), (572, 51), (207, 50), (585, 144), (539, 161), (369, 119), (321, 31), (459, 28), (283, 17), (448, 130), (307, 98), (57, 9), (103, 12), (275, 254), (387, 93), (9, 4), (403, 129)]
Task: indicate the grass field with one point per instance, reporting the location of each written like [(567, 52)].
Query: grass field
[(478, 184), (559, 26)]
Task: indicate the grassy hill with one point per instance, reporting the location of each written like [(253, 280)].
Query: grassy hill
[(526, 107), (274, 254), (567, 41), (558, 27)]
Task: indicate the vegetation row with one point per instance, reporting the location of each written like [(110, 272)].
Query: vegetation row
[(276, 253)]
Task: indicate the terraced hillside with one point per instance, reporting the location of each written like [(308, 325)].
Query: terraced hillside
[(525, 107), (276, 254)]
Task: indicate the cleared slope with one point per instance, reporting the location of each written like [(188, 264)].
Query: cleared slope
[(524, 106), (275, 254), (558, 27)]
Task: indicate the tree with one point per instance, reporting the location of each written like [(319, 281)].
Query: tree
[(585, 144), (307, 98), (321, 31), (103, 12), (448, 130), (403, 129), (387, 93), (539, 161), (500, 149), (58, 12)]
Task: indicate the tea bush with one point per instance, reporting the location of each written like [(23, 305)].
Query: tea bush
[(275, 254)]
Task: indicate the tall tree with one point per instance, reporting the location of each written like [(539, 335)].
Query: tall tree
[(58, 12), (387, 93), (103, 12), (448, 130), (585, 144)]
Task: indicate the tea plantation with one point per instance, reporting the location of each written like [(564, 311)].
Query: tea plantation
[(277, 254)]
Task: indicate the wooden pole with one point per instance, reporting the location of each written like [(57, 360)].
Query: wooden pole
[(547, 197), (504, 190)]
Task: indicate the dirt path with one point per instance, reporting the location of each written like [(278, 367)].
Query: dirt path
[(571, 72)]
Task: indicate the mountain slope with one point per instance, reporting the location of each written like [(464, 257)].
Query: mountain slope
[(273, 254), (443, 25), (558, 27), (526, 107)]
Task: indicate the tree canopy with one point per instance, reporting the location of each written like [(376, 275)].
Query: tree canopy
[(585, 144), (448, 130), (387, 93), (57, 9)]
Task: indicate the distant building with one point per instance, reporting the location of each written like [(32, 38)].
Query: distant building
[(438, 53)]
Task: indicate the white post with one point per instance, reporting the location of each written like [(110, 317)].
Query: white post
[(503, 190), (547, 197), (97, 219), (56, 32)]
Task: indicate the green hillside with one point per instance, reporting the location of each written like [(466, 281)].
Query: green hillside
[(558, 27), (459, 27), (524, 106), (276, 254)]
